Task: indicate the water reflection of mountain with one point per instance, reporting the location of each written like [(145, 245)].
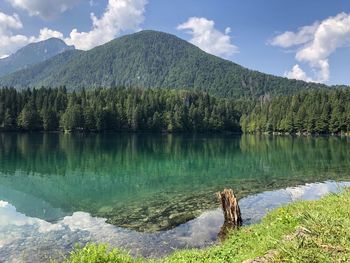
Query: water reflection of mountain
[(117, 176)]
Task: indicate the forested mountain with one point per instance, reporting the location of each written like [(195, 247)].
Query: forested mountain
[(318, 111), (116, 109), (32, 54), (40, 71), (154, 59)]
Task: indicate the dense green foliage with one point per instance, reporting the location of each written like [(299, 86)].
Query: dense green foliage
[(129, 109), (310, 112), (151, 59), (32, 54), (309, 231), (39, 71), (118, 109)]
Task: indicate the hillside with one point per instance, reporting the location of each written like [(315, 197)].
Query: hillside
[(39, 72), (154, 59), (32, 54)]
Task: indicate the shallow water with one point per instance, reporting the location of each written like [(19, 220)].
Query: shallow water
[(35, 240), (132, 190)]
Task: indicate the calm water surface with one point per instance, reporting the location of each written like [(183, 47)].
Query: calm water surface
[(149, 194)]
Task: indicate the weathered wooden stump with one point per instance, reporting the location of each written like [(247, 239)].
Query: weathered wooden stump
[(231, 210)]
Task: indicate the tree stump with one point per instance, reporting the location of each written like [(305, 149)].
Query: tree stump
[(231, 210)]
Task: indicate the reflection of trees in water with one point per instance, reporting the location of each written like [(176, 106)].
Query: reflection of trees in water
[(298, 153), (148, 156), (101, 153), (98, 170)]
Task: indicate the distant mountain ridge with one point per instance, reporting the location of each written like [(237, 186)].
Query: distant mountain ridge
[(153, 59), (32, 54)]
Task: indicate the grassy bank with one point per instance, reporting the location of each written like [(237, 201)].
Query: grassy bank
[(309, 231)]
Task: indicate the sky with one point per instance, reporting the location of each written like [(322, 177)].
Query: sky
[(301, 39)]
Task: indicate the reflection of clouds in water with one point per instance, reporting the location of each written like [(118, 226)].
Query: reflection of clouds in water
[(255, 207), (314, 191), (201, 231), (10, 217), (28, 238), (32, 238), (295, 193), (30, 205), (82, 220)]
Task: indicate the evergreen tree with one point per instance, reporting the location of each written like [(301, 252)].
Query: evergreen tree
[(72, 118), (8, 122), (50, 120), (29, 118)]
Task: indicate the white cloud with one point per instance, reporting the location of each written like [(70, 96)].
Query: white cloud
[(289, 39), (317, 42), (208, 38), (9, 44), (9, 22), (8, 41), (44, 8), (46, 33), (297, 73), (120, 15)]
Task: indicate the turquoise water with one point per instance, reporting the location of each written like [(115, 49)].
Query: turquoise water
[(150, 184)]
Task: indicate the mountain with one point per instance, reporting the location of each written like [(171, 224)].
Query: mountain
[(32, 54), (153, 59), (40, 71)]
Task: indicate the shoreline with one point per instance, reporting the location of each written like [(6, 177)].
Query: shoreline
[(199, 234), (273, 134), (300, 134), (278, 237)]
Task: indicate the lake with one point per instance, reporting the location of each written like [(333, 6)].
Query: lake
[(150, 193)]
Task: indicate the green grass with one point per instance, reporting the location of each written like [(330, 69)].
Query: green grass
[(100, 253), (308, 231)]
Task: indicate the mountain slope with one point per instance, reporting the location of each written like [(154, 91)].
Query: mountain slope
[(40, 71), (155, 59), (32, 54)]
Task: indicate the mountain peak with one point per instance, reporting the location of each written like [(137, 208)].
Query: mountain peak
[(153, 59), (51, 41), (149, 37), (150, 32), (31, 54)]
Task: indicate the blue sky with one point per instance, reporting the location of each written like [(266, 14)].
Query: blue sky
[(301, 39)]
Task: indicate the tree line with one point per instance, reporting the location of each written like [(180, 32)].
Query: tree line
[(312, 112), (115, 109), (165, 110)]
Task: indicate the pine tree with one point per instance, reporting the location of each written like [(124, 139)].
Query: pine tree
[(72, 118), (8, 122), (29, 118), (50, 120)]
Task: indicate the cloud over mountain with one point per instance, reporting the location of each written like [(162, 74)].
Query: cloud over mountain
[(10, 42), (120, 15), (208, 38)]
